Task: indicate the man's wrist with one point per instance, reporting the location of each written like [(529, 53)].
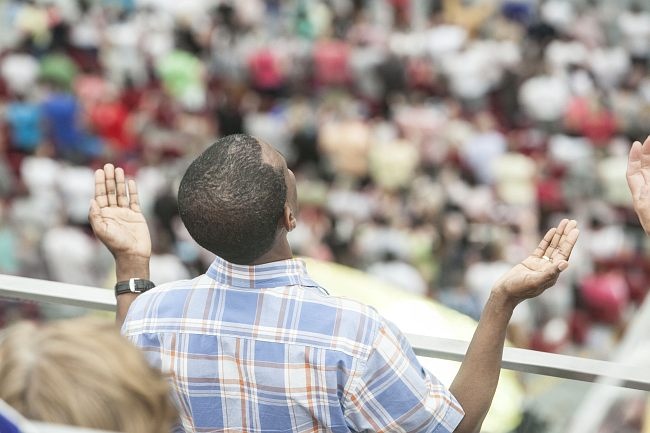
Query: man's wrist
[(133, 285), (127, 267), (501, 300)]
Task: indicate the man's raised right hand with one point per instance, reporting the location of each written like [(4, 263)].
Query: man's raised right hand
[(116, 217)]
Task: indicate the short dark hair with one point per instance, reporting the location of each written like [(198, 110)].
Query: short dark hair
[(231, 200)]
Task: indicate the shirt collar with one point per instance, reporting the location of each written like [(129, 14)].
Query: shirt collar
[(290, 272)]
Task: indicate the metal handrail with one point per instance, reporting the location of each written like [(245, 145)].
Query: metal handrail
[(528, 361)]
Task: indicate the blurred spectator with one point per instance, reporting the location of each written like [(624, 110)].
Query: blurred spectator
[(400, 274), (71, 256), (58, 69), (82, 373), (25, 124), (110, 119), (634, 25), (120, 57), (62, 115), (515, 176), (606, 296), (545, 98), (393, 164), (483, 150), (182, 75), (19, 71), (331, 63)]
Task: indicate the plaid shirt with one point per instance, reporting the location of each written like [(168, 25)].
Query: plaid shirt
[(266, 349)]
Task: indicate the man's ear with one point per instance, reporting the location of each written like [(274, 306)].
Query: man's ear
[(288, 218)]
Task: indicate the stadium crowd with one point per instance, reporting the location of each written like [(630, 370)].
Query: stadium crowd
[(431, 140)]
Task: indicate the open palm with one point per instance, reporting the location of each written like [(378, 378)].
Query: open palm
[(116, 217), (541, 269), (638, 179)]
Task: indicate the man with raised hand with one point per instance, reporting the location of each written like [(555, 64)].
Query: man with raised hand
[(256, 345)]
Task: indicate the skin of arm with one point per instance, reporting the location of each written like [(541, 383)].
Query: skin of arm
[(127, 267), (475, 384), (638, 180), (117, 221)]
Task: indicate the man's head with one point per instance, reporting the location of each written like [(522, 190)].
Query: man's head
[(237, 197)]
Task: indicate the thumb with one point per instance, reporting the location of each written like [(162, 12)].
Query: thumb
[(94, 213), (563, 265), (635, 151)]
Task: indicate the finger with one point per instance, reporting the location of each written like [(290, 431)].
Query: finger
[(556, 238), (643, 164), (572, 224), (544, 243), (635, 152), (94, 215), (566, 247), (100, 188), (646, 145), (567, 229), (122, 199), (633, 173), (134, 202), (111, 188)]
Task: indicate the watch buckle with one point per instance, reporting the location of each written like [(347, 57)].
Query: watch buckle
[(132, 285)]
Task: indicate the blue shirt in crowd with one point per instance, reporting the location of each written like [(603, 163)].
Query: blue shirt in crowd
[(24, 120)]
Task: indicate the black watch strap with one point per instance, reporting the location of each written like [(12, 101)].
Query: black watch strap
[(133, 285)]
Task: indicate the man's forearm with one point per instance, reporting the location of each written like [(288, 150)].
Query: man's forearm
[(477, 379), (127, 267)]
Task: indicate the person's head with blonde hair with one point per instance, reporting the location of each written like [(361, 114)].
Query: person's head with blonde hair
[(82, 372)]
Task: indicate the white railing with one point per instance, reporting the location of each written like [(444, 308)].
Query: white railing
[(528, 361)]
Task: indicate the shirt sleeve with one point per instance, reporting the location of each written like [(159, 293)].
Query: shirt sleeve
[(395, 393)]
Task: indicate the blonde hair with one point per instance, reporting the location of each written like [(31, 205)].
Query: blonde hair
[(82, 372)]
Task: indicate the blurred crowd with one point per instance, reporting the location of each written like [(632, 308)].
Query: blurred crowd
[(433, 141)]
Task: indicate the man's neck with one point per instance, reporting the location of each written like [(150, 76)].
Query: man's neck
[(280, 251)]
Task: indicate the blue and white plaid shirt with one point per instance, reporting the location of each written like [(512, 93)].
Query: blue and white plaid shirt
[(266, 349)]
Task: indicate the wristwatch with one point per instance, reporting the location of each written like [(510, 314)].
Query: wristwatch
[(133, 285)]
